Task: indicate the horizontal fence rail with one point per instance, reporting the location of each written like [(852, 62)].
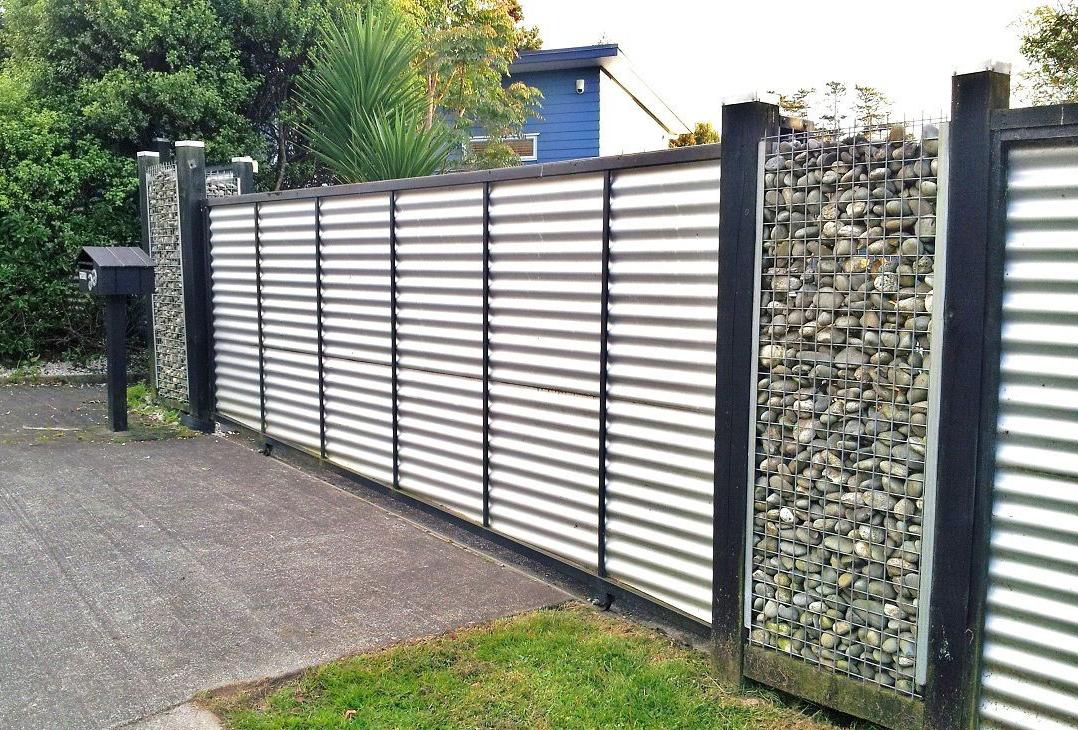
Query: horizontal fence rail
[(532, 350)]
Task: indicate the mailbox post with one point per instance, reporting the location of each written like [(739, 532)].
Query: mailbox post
[(115, 273)]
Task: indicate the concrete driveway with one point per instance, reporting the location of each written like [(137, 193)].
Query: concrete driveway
[(135, 573)]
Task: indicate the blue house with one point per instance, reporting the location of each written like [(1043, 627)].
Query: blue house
[(593, 104)]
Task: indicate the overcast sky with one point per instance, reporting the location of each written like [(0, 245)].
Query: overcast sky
[(695, 53)]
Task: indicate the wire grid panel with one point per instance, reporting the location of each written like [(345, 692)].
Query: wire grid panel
[(356, 333), (663, 290), (289, 321), (842, 474), (546, 242), (1030, 652), (221, 182), (235, 313), (440, 346), (169, 325)]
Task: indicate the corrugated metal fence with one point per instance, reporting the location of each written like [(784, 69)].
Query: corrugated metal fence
[(535, 355), (1030, 651), (536, 352)]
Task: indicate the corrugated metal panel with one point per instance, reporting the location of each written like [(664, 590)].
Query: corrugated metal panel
[(661, 394), (235, 313), (440, 346), (545, 291), (289, 321), (546, 244), (1030, 653), (356, 327)]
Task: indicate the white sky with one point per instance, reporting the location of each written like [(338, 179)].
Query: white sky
[(695, 53)]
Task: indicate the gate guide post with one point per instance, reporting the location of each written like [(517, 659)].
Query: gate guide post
[(948, 690), (744, 125), (191, 187)]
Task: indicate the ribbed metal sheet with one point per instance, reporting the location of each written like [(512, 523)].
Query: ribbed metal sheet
[(664, 248), (545, 305), (289, 321), (440, 346), (235, 313), (1030, 652), (544, 318), (356, 327)]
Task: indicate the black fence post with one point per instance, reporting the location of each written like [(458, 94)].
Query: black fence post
[(163, 147), (116, 358), (145, 161), (191, 187), (604, 337), (950, 687), (261, 321), (393, 383), (486, 354), (244, 169), (744, 125), (319, 304)]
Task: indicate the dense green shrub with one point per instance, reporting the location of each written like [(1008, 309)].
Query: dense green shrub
[(57, 194)]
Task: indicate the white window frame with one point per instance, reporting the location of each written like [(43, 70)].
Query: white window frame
[(533, 136)]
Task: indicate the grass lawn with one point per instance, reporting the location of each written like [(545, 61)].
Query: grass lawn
[(570, 667)]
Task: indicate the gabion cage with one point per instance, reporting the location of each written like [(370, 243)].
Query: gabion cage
[(221, 182), (169, 329), (842, 471)]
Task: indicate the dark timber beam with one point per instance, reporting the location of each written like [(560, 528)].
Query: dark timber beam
[(950, 688), (191, 184), (744, 125)]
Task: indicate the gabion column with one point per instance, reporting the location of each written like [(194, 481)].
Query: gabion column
[(169, 332), (842, 475), (172, 198)]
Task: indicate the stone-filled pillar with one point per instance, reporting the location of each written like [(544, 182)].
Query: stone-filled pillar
[(191, 183)]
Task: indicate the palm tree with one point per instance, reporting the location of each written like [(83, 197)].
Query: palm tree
[(364, 104)]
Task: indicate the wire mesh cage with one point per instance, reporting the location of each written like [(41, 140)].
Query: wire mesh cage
[(841, 465), (221, 181), (169, 329)]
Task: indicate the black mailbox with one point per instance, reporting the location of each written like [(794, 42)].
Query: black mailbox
[(115, 273)]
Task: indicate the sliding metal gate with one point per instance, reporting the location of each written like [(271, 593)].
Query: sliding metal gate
[(533, 350), (1029, 664)]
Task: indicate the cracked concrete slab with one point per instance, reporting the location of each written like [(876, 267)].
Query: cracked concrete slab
[(138, 573)]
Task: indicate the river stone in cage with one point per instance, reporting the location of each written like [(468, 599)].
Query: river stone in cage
[(849, 236), (170, 340)]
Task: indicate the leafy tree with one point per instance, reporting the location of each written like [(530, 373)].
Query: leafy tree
[(365, 107), (797, 103), (871, 108), (273, 40), (1050, 44), (57, 194), (833, 105), (702, 133), (128, 70), (467, 48)]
